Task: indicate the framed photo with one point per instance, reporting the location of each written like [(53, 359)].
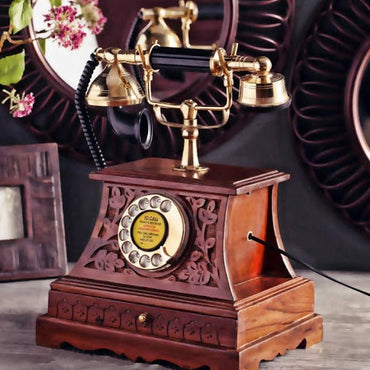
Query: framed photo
[(32, 239)]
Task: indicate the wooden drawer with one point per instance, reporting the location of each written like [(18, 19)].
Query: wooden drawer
[(145, 319)]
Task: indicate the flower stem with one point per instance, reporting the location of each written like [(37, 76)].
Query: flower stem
[(6, 37)]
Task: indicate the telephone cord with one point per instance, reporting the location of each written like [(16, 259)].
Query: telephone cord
[(83, 113), (290, 256)]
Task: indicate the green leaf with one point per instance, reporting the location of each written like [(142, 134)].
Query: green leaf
[(55, 2), (20, 13), (12, 68), (42, 44)]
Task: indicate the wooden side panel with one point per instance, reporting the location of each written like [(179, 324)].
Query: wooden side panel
[(272, 313)]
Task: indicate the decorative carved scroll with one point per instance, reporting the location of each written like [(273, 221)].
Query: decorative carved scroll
[(201, 268)]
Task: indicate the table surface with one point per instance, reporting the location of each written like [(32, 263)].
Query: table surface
[(346, 343)]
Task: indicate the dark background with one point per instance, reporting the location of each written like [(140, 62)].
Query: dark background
[(311, 228)]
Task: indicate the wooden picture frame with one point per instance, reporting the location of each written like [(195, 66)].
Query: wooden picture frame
[(32, 240)]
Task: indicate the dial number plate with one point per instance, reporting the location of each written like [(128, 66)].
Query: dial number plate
[(151, 232)]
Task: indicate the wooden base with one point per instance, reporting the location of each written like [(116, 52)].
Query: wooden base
[(185, 355), (201, 337), (226, 302)]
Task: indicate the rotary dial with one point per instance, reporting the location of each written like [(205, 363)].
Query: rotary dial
[(151, 232)]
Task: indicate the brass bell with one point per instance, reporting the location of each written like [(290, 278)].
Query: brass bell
[(115, 86), (265, 90), (157, 30)]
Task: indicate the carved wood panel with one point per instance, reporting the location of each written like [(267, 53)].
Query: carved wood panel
[(200, 266), (165, 323)]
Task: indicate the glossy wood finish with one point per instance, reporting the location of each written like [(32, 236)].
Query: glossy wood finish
[(221, 304), (345, 345), (41, 252)]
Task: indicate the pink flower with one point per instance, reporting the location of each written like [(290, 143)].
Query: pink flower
[(61, 14), (67, 28), (24, 107), (93, 16), (69, 36), (20, 105)]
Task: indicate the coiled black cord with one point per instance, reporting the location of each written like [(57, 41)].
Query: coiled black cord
[(83, 113)]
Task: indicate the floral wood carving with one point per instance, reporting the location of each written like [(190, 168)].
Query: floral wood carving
[(107, 255), (200, 267)]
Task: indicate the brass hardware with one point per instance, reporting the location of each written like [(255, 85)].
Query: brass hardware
[(189, 109), (157, 30), (263, 91), (115, 86), (144, 318), (259, 88)]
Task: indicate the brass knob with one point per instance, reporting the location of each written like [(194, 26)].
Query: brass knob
[(144, 318)]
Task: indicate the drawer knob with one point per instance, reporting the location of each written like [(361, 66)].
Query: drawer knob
[(144, 318)]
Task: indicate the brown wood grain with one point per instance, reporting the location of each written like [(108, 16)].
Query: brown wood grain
[(217, 305), (41, 252)]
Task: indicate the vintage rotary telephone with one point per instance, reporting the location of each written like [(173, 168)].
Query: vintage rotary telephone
[(170, 272), (115, 86)]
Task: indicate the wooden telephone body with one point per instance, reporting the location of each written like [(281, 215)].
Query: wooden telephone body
[(219, 301)]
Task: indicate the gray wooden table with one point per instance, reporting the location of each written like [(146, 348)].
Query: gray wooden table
[(346, 342)]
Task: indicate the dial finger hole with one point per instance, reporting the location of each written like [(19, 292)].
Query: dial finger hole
[(133, 210), (157, 259), (144, 203), (166, 206), (155, 202), (127, 247), (144, 261), (134, 256), (124, 234), (126, 221)]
